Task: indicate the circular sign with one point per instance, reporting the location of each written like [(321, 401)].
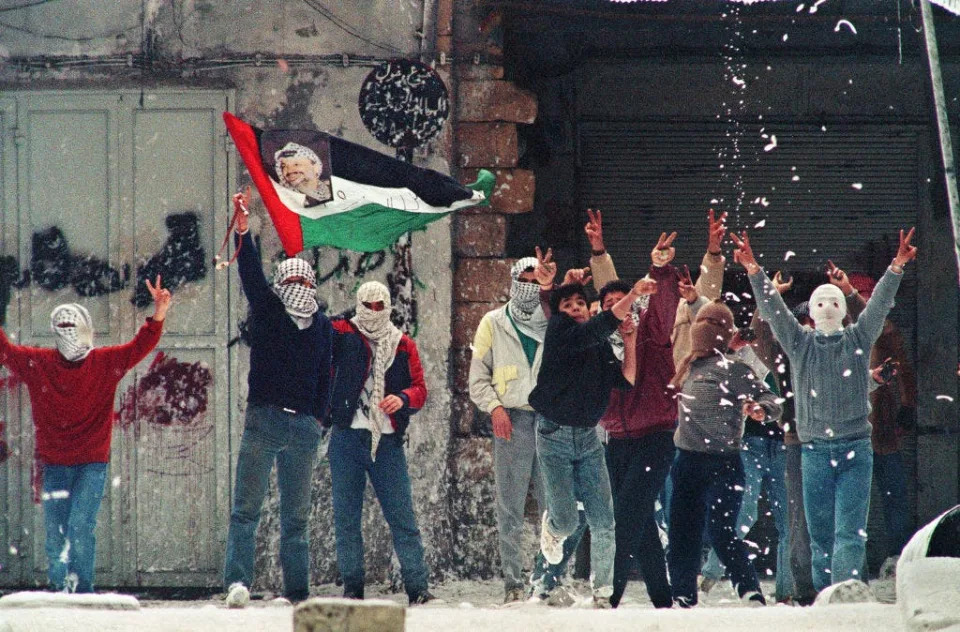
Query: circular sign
[(404, 103)]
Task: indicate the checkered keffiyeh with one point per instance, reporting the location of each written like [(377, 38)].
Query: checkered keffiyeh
[(299, 300), (74, 330)]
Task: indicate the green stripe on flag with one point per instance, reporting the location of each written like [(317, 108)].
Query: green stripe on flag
[(368, 228)]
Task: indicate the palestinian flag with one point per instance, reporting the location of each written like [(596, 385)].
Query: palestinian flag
[(321, 190)]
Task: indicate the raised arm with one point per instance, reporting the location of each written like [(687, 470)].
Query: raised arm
[(855, 302), (255, 286), (600, 261), (710, 281), (870, 323), (770, 304), (149, 333)]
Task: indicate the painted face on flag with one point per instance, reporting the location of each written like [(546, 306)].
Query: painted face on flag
[(299, 168)]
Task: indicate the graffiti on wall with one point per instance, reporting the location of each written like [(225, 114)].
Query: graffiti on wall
[(54, 267), (170, 393), (181, 260)]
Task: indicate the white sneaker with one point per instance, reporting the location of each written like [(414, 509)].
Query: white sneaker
[(550, 545), (237, 596)]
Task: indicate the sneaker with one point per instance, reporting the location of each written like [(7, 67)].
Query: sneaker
[(237, 596), (550, 545), (601, 603), (424, 597), (280, 601), (684, 602), (517, 593), (706, 583), (754, 599)]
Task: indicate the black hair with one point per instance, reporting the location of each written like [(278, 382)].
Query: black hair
[(617, 285), (566, 291)]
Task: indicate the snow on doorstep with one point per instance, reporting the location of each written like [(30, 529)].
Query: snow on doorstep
[(44, 599)]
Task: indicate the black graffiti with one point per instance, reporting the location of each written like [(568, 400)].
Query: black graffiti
[(366, 263), (369, 262), (343, 265), (181, 259), (53, 267), (9, 279)]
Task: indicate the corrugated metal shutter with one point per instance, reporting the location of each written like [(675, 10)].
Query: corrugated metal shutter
[(854, 185)]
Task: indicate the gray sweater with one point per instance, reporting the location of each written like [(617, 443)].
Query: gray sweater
[(830, 374), (711, 402)]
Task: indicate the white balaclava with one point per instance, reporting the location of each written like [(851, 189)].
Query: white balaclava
[(74, 330), (376, 326), (524, 297), (828, 307), (299, 300)]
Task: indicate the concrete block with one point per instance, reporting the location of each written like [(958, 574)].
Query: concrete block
[(513, 192), (487, 144), (481, 235), (850, 591), (482, 280), (466, 318), (495, 101), (44, 599), (349, 615)]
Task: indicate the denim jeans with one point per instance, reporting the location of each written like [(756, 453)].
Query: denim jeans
[(836, 497), (891, 480), (514, 466), (707, 484), (350, 464), (764, 460), (638, 468), (71, 501), (272, 434), (572, 466), (799, 535)]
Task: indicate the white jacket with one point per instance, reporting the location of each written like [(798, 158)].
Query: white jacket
[(500, 374)]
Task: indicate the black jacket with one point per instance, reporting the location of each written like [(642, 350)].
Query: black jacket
[(578, 370)]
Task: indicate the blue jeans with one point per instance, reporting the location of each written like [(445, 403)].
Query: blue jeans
[(350, 464), (764, 459), (71, 501), (836, 499), (291, 439), (891, 480), (707, 485), (572, 466)]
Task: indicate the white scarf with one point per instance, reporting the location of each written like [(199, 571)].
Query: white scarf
[(74, 330), (524, 307), (376, 326), (299, 300)]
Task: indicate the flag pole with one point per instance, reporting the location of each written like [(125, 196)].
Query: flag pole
[(943, 124)]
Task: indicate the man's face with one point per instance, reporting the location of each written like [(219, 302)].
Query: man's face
[(527, 276), (611, 299), (300, 173), (576, 308)]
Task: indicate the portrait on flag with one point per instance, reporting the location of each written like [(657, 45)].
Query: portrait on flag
[(298, 161)]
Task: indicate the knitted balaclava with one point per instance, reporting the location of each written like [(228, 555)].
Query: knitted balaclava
[(299, 300), (524, 297), (828, 306), (376, 326), (74, 330), (710, 334)]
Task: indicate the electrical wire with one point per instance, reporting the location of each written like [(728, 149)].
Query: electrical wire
[(66, 38), (317, 6), (25, 5)]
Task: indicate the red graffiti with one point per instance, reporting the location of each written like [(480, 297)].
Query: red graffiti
[(171, 393)]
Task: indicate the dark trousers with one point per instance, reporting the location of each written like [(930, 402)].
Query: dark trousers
[(707, 484), (638, 468), (799, 537)]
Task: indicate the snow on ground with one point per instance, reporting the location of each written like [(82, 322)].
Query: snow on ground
[(471, 607)]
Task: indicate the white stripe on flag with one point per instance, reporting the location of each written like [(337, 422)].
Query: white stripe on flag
[(349, 195)]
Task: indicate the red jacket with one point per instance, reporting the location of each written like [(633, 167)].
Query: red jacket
[(72, 402), (649, 406)]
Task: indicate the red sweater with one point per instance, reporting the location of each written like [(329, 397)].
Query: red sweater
[(649, 406), (72, 402)]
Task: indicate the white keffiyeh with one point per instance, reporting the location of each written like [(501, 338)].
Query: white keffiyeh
[(299, 300), (616, 339), (376, 326), (74, 330), (524, 306)]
